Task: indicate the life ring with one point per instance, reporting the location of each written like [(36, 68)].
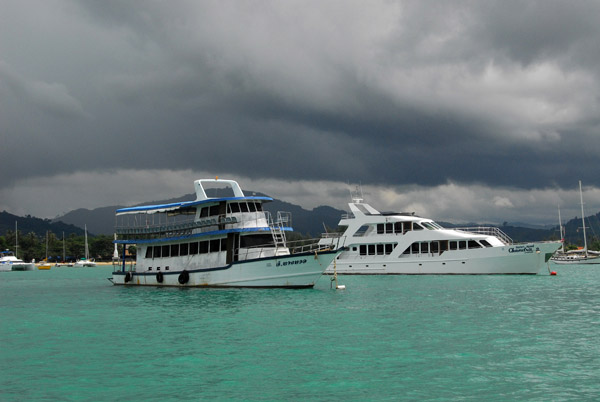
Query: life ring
[(128, 277), (159, 277), (184, 277)]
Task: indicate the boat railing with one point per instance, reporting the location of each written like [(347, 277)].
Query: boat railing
[(488, 231), (270, 250), (331, 235), (142, 230)]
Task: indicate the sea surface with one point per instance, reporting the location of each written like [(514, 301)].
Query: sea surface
[(68, 334)]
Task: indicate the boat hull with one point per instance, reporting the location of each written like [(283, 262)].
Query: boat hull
[(576, 261), (22, 266), (294, 271), (525, 259)]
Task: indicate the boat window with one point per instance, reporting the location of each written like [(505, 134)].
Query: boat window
[(417, 226), (166, 251), (429, 225), (252, 207), (203, 247), (407, 251), (243, 207), (235, 207), (259, 207), (183, 249), (256, 240), (149, 252), (389, 248), (224, 244), (406, 226), (174, 250), (214, 210), (214, 245), (389, 228), (194, 248), (398, 227), (415, 248), (474, 244), (156, 252), (204, 212), (380, 249), (371, 248), (363, 249), (462, 244), (380, 228), (434, 247), (424, 247), (485, 243), (453, 245), (361, 231), (443, 246)]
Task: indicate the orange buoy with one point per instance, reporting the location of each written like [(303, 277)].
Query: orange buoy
[(553, 273)]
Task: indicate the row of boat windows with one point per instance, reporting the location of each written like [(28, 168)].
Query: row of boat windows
[(205, 246), (376, 249), (183, 249), (435, 247), (403, 227), (232, 207), (424, 247)]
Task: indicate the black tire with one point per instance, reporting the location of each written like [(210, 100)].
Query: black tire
[(184, 277), (159, 277), (128, 277)]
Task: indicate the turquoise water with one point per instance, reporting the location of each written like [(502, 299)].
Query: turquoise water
[(67, 334)]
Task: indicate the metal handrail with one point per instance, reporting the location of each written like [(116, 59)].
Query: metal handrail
[(488, 231)]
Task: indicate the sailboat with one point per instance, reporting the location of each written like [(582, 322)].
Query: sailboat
[(86, 261), (583, 256), (45, 264)]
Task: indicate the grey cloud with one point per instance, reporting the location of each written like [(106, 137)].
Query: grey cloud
[(391, 93)]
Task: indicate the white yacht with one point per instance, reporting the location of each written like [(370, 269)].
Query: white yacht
[(10, 262), (85, 261), (403, 243), (218, 242)]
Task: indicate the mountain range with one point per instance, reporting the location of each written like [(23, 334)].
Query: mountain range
[(306, 222)]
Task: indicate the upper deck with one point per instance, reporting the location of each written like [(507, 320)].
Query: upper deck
[(235, 212)]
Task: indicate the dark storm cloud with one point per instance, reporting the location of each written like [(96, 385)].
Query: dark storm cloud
[(501, 93)]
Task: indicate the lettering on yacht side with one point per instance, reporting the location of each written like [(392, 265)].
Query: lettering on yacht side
[(293, 262), (521, 249)]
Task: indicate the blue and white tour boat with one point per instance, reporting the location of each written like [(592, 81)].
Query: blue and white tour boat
[(225, 241)]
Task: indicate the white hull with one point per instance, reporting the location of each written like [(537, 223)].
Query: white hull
[(81, 264), (510, 259), (26, 266), (495, 260), (295, 271), (576, 260)]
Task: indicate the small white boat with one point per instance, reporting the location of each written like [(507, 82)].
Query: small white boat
[(581, 256), (215, 242), (9, 262), (86, 261), (403, 243)]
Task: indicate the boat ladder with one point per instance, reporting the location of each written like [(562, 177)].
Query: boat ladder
[(277, 229)]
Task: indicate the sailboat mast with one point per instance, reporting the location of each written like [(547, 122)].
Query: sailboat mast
[(16, 241), (87, 251), (562, 231), (583, 220)]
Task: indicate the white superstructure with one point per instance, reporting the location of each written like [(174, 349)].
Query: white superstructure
[(403, 243), (221, 242)]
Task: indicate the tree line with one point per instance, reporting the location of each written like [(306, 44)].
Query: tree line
[(31, 246)]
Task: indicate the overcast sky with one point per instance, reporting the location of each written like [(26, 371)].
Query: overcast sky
[(457, 110)]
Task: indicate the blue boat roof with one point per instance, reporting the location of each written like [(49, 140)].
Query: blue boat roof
[(150, 209)]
